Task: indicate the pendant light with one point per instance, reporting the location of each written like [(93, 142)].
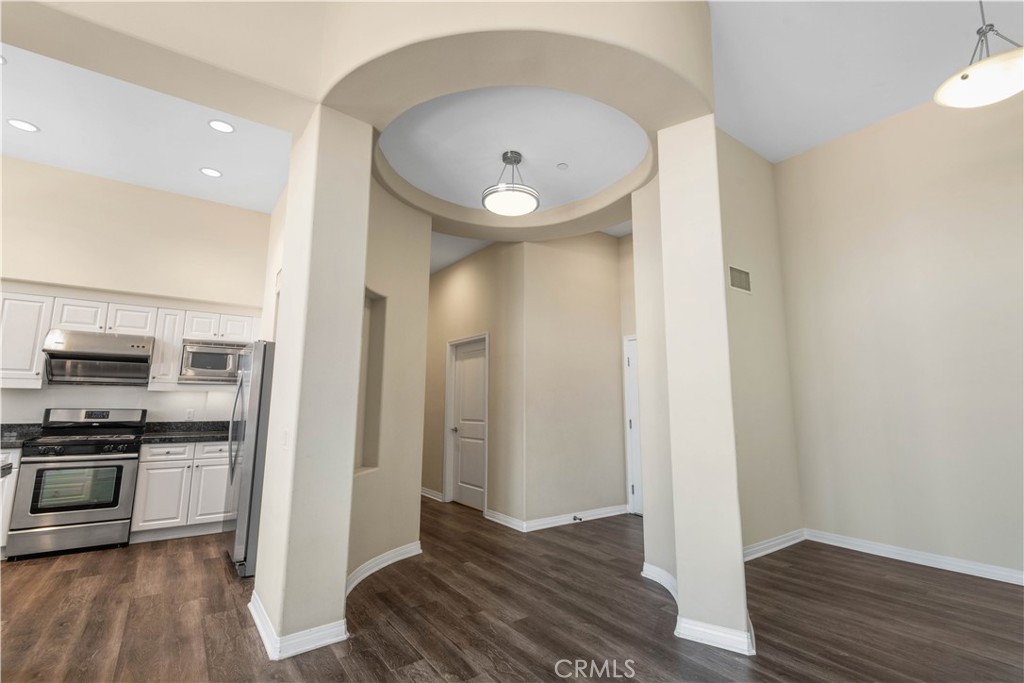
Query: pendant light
[(988, 80), (511, 198)]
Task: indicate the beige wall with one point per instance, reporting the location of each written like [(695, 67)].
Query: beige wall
[(575, 457), (627, 295), (709, 542), (481, 294), (386, 498), (762, 399), (655, 446), (273, 274), (58, 225), (902, 264)]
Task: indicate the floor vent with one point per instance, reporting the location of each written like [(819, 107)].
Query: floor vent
[(739, 279)]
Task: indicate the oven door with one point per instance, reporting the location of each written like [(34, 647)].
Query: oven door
[(209, 363), (74, 490)]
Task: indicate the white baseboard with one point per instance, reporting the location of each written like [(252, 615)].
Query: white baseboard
[(659, 575), (149, 535), (505, 520), (709, 634), (379, 562), (772, 544), (953, 564), (432, 494), (282, 647), (557, 520)]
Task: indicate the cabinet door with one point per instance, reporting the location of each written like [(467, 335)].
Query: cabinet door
[(202, 325), (214, 495), (126, 319), (24, 322), (161, 495), (170, 329), (236, 328), (78, 314), (7, 487)]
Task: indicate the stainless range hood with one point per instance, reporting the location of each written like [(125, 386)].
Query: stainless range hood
[(74, 357)]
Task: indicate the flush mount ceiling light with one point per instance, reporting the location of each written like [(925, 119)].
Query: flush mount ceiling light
[(222, 126), (23, 125), (988, 80), (212, 172), (511, 198)]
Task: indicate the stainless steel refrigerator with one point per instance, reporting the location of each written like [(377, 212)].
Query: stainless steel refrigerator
[(247, 448)]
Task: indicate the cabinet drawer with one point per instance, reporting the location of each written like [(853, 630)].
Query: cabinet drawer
[(166, 451), (212, 450)]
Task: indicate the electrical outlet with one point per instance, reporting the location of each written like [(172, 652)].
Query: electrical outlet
[(190, 414)]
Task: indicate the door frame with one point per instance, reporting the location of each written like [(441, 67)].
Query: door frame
[(630, 456), (448, 479)]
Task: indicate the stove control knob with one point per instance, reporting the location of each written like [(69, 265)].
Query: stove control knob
[(122, 448), (107, 448), (58, 450)]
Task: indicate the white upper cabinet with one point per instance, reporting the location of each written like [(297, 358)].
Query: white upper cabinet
[(24, 322), (78, 314), (220, 326), (170, 330), (128, 319), (237, 328), (202, 325)]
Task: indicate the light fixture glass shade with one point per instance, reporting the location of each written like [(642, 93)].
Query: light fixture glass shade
[(511, 199), (985, 82)]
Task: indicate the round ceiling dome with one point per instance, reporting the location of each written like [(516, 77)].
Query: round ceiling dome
[(572, 146)]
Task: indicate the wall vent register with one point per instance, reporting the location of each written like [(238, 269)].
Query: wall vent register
[(739, 279)]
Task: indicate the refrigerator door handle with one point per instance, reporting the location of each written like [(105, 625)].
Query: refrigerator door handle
[(231, 431)]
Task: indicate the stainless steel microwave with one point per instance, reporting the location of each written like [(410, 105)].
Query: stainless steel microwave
[(210, 361)]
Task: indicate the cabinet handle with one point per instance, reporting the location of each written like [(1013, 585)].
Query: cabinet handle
[(37, 374), (188, 467)]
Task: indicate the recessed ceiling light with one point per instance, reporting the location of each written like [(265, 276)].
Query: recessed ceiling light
[(23, 125), (222, 126), (212, 172), (562, 166)]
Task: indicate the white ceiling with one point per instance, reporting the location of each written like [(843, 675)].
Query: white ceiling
[(451, 146), (790, 76), (105, 127)]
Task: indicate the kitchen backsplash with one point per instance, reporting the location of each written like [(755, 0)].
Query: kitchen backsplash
[(27, 405)]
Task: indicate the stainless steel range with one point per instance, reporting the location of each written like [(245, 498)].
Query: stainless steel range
[(77, 481)]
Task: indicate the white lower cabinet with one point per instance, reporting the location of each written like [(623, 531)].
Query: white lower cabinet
[(178, 486), (214, 495), (161, 495)]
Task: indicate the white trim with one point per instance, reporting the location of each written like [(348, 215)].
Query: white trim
[(719, 636), (379, 562), (562, 520), (510, 522), (770, 545), (448, 454), (953, 564), (183, 531), (282, 647), (557, 520), (432, 494), (659, 575)]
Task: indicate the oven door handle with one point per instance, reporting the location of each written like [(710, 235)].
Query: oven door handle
[(56, 460)]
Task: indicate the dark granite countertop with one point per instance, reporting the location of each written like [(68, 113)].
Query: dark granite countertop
[(13, 434), (185, 432), (184, 437)]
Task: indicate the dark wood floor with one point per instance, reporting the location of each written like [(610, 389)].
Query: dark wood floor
[(485, 603)]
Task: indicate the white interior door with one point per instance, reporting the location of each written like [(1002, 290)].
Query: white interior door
[(468, 424), (634, 470)]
